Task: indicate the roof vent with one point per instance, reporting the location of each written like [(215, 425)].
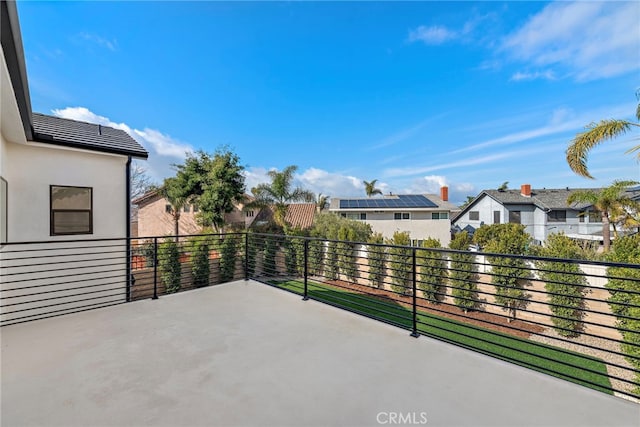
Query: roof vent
[(525, 190)]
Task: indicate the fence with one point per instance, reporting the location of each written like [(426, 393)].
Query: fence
[(554, 316), (576, 320)]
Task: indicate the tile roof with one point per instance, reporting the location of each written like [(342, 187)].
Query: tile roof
[(88, 136), (299, 215)]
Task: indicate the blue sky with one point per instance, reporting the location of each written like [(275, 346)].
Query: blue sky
[(414, 94)]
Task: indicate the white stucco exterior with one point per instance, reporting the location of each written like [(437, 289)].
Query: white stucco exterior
[(34, 167), (420, 226), (536, 220)]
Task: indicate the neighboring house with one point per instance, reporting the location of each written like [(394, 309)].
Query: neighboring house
[(422, 215), (299, 215), (541, 211), (155, 218), (58, 177)]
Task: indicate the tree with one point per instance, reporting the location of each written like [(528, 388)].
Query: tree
[(228, 254), (610, 202), (463, 275), (624, 287), (433, 271), (169, 263), (280, 193), (377, 259), (504, 186), (215, 183), (321, 202), (346, 252), (564, 282), (177, 196), (401, 265), (200, 267), (509, 274), (467, 202), (370, 188), (595, 134), (141, 183)]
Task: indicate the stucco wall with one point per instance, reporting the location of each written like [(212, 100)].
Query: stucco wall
[(420, 226), (153, 220), (34, 167)]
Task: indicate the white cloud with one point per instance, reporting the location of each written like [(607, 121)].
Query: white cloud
[(112, 45), (163, 149), (435, 34), (585, 40), (522, 76)]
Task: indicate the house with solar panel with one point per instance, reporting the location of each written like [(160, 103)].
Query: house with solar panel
[(421, 215), (58, 177)]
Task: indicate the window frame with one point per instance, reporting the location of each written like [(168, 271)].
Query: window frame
[(53, 211), (496, 213), (401, 216), (512, 214), (477, 215), (552, 215), (439, 215)]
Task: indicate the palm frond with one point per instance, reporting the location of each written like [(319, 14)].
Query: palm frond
[(596, 133)]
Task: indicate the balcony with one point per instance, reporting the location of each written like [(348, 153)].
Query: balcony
[(247, 352)]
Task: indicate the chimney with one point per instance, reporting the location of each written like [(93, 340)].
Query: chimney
[(444, 193), (525, 190)]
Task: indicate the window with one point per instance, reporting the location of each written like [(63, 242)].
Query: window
[(593, 216), (439, 215), (557, 216), (3, 210), (496, 217), (71, 210), (353, 215), (474, 216), (514, 217), (363, 216), (249, 214), (168, 208), (195, 208), (401, 215), (185, 209)]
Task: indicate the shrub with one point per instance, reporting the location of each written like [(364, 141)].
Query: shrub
[(169, 263), (294, 256), (509, 275), (565, 284), (377, 258), (433, 271), (200, 267), (625, 296), (228, 253), (401, 263), (316, 256), (252, 249), (346, 253), (463, 273), (270, 250), (331, 265)]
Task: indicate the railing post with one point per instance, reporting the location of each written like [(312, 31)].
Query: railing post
[(128, 269), (155, 268), (414, 332), (246, 255), (306, 270)]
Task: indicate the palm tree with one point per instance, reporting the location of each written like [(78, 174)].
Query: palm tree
[(321, 202), (370, 188), (611, 202), (595, 134), (280, 193), (177, 198)]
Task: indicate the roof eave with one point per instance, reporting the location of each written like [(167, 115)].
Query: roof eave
[(46, 139), (14, 54)]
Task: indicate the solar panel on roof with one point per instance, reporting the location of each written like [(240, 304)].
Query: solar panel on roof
[(401, 201)]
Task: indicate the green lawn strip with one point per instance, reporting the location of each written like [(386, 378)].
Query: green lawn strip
[(544, 358)]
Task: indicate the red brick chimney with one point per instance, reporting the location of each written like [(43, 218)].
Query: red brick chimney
[(444, 193), (525, 190)]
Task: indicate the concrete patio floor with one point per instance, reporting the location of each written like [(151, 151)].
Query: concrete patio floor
[(244, 353)]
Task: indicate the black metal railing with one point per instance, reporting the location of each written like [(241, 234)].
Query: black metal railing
[(577, 320)]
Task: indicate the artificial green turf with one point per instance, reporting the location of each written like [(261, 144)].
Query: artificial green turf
[(543, 358)]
